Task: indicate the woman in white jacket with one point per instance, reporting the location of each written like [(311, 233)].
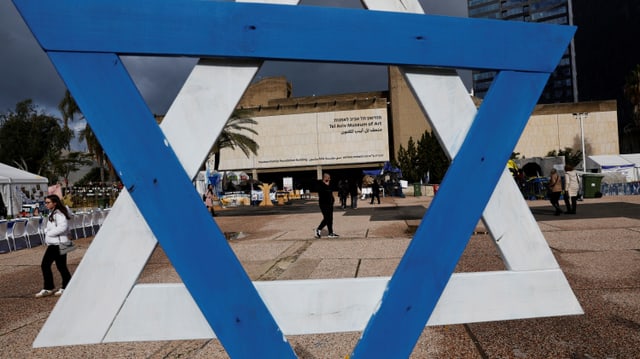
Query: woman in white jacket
[(55, 233), (571, 188)]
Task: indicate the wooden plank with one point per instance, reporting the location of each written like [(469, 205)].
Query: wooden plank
[(153, 175), (304, 307), (104, 277), (426, 267), (277, 32), (190, 126), (507, 216)]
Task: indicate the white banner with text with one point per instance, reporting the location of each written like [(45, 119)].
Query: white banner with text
[(310, 139)]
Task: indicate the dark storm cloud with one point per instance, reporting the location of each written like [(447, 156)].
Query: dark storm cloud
[(159, 79), (26, 72), (309, 79)]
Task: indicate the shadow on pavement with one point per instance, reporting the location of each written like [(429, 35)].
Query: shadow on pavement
[(382, 213), (590, 210)]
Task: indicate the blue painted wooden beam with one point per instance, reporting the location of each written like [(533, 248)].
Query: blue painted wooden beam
[(430, 259), (278, 32), (165, 196)]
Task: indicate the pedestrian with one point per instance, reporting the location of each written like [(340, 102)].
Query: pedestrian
[(208, 200), (375, 191), (571, 189), (3, 208), (343, 192), (326, 201), (555, 190), (55, 234), (354, 192)]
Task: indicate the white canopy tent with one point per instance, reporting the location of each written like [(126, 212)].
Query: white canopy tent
[(635, 159), (19, 187), (614, 166)]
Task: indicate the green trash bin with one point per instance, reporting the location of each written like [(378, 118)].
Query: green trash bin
[(103, 202), (591, 184), (417, 190)]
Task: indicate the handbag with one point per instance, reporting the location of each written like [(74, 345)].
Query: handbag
[(66, 247)]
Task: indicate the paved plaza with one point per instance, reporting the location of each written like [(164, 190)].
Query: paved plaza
[(598, 250)]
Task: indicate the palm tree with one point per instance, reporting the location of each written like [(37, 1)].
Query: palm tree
[(232, 136), (68, 108), (94, 148)]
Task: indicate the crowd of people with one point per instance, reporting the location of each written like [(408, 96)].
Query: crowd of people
[(348, 191)]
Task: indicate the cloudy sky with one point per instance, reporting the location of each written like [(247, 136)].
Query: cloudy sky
[(26, 72)]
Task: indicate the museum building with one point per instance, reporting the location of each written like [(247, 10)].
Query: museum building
[(343, 134)]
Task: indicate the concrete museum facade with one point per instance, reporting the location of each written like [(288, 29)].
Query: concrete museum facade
[(302, 137)]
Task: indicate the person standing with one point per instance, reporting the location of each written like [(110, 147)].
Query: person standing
[(375, 191), (55, 233), (3, 208), (571, 188), (555, 190), (353, 192), (326, 201), (208, 200), (343, 192)]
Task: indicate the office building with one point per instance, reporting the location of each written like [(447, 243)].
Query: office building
[(302, 137), (561, 86), (598, 61)]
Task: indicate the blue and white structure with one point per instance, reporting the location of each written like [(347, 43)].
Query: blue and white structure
[(155, 162)]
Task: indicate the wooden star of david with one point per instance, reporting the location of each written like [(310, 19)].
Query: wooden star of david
[(86, 49)]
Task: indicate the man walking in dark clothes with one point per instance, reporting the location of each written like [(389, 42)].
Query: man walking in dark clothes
[(326, 200), (375, 191)]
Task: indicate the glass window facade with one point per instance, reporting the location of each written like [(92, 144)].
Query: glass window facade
[(560, 87)]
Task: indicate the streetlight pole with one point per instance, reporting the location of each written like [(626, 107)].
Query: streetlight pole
[(581, 116)]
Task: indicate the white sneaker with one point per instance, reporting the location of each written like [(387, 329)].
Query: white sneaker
[(59, 292), (318, 234), (333, 235), (44, 293)]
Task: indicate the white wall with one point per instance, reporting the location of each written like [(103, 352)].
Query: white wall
[(312, 139)]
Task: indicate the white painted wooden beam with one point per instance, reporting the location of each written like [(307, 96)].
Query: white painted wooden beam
[(167, 312)]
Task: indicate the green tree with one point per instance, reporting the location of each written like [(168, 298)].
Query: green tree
[(71, 162), (70, 110), (436, 162), (425, 157), (92, 176), (96, 150), (233, 136), (408, 161), (570, 157), (32, 140)]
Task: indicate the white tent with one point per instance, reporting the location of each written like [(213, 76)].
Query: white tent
[(613, 165), (20, 187), (635, 159)]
